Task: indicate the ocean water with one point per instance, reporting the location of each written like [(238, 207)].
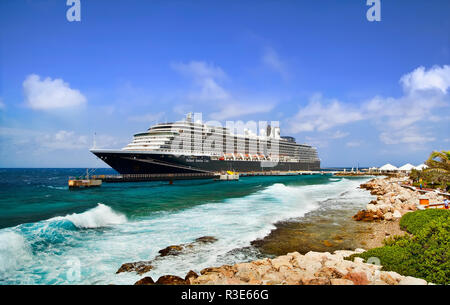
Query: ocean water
[(51, 235)]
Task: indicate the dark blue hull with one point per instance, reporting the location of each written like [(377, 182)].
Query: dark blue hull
[(149, 163)]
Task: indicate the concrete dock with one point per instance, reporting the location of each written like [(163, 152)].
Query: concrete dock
[(191, 176)]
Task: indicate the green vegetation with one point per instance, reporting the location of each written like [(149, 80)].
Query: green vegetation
[(426, 254), (437, 175)]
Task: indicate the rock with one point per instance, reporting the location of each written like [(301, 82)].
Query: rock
[(170, 280), (225, 270), (145, 281), (388, 216), (358, 260), (343, 253), (371, 208), (247, 272), (206, 239), (390, 278), (358, 278), (139, 267), (409, 280), (329, 272), (171, 250), (396, 214), (283, 260), (190, 275), (341, 282), (365, 215), (316, 281)]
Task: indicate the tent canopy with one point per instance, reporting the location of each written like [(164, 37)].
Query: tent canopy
[(421, 167), (407, 167), (388, 167)]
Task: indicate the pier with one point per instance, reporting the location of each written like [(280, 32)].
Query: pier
[(191, 176)]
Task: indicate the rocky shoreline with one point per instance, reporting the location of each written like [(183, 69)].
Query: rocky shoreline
[(313, 268), (380, 220), (393, 200)]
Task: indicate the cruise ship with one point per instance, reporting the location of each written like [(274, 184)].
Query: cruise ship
[(193, 147)]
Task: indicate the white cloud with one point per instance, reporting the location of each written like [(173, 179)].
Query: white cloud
[(199, 69), (208, 91), (420, 79), (319, 115), (49, 94), (411, 135), (397, 119), (339, 134), (64, 140), (39, 142), (232, 110), (272, 60), (147, 117), (353, 143)]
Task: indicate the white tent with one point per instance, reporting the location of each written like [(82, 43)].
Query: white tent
[(421, 167), (388, 167), (406, 167)]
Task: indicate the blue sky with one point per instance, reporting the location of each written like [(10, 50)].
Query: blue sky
[(361, 92)]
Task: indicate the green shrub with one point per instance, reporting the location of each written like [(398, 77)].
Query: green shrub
[(425, 255), (415, 222)]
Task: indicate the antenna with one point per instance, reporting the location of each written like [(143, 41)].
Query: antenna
[(95, 144)]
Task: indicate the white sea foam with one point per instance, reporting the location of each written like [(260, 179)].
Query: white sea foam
[(14, 251), (100, 216), (234, 222)]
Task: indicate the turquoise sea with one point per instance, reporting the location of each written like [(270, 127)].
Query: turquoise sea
[(52, 235)]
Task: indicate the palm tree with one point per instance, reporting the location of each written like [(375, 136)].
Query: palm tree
[(439, 161)]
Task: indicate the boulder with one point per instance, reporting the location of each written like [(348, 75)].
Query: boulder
[(171, 280), (341, 282), (390, 278), (206, 239), (145, 281), (316, 281), (247, 272), (388, 216), (371, 208), (409, 280), (171, 250), (397, 214), (190, 275), (138, 267), (358, 278)]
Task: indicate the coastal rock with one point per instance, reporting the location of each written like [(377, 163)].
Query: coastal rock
[(138, 267), (365, 215), (206, 239), (190, 275), (390, 278), (313, 268), (371, 208), (171, 280), (171, 250), (341, 282), (145, 281), (316, 281), (388, 216), (396, 214), (247, 272), (408, 280), (358, 278)]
